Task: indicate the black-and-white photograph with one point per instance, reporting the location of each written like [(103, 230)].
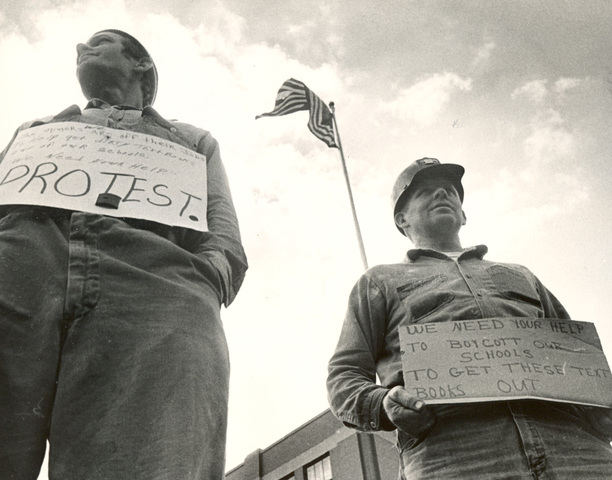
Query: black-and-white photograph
[(314, 240)]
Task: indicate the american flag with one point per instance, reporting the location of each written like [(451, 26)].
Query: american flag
[(294, 96)]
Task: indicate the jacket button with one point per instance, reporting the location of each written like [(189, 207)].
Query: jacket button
[(173, 129), (373, 424)]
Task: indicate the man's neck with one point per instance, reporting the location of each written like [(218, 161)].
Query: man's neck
[(116, 96), (438, 244)]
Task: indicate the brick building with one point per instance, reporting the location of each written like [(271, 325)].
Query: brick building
[(323, 449)]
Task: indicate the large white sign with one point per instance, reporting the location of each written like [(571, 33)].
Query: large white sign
[(95, 169), (505, 358)]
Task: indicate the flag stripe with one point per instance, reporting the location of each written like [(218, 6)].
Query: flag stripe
[(294, 96), (291, 98), (320, 122)]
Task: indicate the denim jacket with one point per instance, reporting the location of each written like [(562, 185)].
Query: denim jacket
[(427, 287), (221, 246)]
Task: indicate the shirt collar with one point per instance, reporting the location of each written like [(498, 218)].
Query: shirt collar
[(148, 111), (478, 251), (98, 103)]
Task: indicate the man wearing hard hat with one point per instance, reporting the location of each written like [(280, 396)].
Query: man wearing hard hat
[(111, 343), (440, 281)]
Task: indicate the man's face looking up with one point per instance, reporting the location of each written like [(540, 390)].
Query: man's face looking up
[(102, 62), (433, 208)]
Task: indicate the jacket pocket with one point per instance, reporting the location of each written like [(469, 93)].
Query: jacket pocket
[(514, 285), (406, 441), (422, 297)]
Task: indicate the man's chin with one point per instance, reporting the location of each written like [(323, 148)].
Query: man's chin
[(91, 77), (444, 214), (446, 224)]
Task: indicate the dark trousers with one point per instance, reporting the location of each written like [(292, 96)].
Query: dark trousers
[(517, 440), (111, 348)]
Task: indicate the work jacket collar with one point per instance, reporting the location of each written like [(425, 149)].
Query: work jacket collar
[(74, 110), (478, 251)]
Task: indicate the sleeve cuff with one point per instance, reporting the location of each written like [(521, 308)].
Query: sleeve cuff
[(378, 417)]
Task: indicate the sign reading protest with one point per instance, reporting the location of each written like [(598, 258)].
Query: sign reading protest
[(70, 165), (505, 358)]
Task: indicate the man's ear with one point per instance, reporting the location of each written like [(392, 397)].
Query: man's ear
[(464, 218), (144, 64), (400, 220)]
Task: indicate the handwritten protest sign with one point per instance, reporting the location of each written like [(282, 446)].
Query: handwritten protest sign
[(505, 358), (70, 165)]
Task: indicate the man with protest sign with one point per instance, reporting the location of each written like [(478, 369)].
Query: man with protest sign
[(440, 281), (111, 342)]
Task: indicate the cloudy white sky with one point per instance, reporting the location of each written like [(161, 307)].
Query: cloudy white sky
[(519, 92)]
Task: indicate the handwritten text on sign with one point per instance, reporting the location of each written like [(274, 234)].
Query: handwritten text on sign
[(69, 164), (505, 358)]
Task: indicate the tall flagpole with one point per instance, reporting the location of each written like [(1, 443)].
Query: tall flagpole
[(348, 186)]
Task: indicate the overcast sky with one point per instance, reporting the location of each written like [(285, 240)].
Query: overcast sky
[(518, 92)]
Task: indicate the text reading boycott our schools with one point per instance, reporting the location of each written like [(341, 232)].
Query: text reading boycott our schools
[(505, 358), (70, 165)]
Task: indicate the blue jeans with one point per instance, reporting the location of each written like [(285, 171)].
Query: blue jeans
[(112, 348), (517, 440)]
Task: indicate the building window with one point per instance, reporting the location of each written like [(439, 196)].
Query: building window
[(289, 477), (320, 469)]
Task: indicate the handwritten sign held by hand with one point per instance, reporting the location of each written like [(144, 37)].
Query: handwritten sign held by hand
[(70, 165), (505, 358)]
